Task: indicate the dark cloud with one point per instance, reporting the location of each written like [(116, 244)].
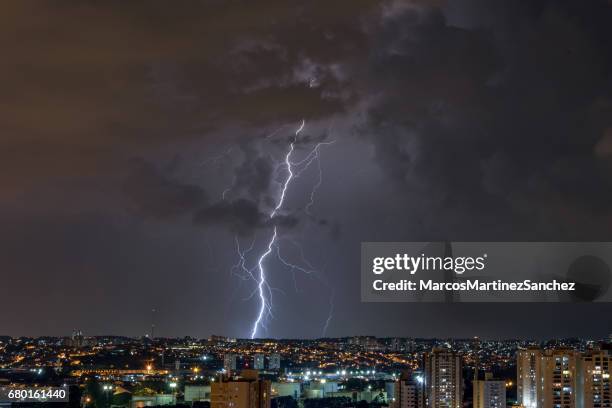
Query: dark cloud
[(463, 120), (241, 216), (254, 175), (95, 83), (154, 194), (495, 119)]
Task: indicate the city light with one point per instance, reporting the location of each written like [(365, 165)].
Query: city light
[(341, 366), (358, 204)]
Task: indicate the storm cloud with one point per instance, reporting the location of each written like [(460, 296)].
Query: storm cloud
[(141, 141)]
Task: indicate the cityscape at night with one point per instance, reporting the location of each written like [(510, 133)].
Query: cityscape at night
[(362, 371), (306, 204)]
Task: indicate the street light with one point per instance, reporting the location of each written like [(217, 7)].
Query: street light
[(106, 389)]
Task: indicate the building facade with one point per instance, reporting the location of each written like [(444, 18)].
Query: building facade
[(595, 370), (443, 379), (564, 378), (409, 391), (529, 377), (275, 361), (229, 362), (247, 391), (258, 362), (489, 393)]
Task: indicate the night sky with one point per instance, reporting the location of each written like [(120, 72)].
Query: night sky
[(141, 141)]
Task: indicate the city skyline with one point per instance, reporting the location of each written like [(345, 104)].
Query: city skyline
[(338, 204), (354, 372)]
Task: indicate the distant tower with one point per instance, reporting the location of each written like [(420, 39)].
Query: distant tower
[(410, 346), (229, 362), (275, 362), (77, 339), (258, 362)]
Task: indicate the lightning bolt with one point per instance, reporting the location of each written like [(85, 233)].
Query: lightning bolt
[(289, 170), (262, 283), (314, 155), (222, 156), (330, 314), (319, 180), (257, 273), (218, 158), (264, 305)]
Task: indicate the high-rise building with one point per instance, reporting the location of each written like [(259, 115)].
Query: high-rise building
[(529, 377), (258, 361), (229, 362), (547, 379), (275, 362), (443, 379), (560, 379), (595, 370), (409, 392), (77, 340), (247, 391), (395, 345), (489, 393)]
